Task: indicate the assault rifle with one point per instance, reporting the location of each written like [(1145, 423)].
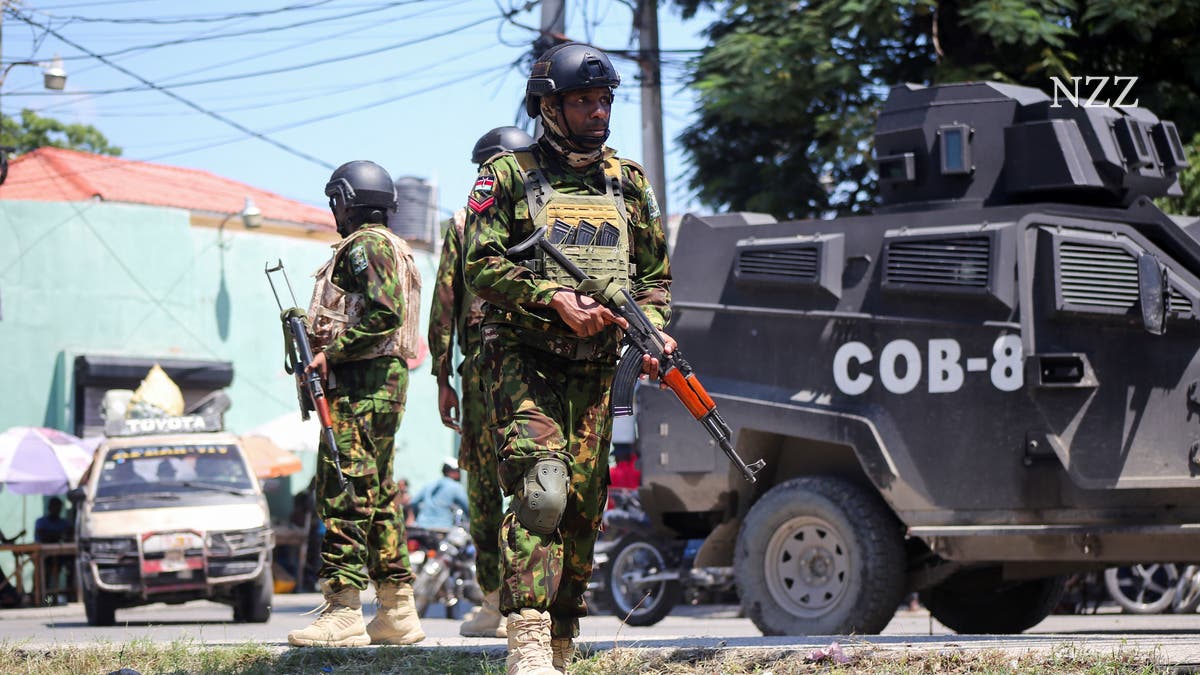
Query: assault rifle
[(297, 354), (643, 338)]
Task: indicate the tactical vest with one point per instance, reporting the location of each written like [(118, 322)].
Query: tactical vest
[(333, 311), (581, 226)]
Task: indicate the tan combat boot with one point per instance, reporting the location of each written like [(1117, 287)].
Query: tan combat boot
[(562, 650), (396, 621), (340, 623), (529, 643), (485, 620)]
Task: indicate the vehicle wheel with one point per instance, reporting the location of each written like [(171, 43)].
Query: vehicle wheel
[(428, 581), (820, 556), (1142, 589), (635, 602), (252, 600), (980, 601), (99, 607)]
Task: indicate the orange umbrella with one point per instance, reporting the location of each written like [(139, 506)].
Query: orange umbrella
[(269, 460)]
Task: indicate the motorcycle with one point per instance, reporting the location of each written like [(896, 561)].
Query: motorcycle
[(639, 577), (443, 563), (1155, 588)]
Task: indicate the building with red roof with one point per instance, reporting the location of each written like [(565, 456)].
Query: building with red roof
[(61, 175)]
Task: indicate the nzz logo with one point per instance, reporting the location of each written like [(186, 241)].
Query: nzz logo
[(901, 364), (1100, 82)]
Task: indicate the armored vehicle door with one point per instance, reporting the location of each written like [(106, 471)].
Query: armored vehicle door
[(1119, 405)]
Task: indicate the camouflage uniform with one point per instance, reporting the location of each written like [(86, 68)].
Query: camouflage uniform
[(364, 527), (455, 309), (546, 405)]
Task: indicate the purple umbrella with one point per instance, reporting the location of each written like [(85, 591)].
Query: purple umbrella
[(40, 461)]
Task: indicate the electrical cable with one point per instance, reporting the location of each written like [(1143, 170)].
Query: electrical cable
[(282, 146), (273, 71), (253, 31), (196, 19)]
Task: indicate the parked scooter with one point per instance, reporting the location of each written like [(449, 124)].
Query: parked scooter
[(443, 562)]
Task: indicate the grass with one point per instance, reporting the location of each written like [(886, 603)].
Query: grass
[(187, 657)]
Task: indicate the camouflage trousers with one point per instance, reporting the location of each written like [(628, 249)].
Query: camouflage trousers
[(544, 406), (364, 528), (477, 456)]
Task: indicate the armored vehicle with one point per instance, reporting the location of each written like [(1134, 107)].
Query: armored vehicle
[(988, 384), (170, 511)]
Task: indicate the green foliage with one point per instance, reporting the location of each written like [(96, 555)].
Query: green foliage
[(1189, 180), (33, 131), (789, 89)]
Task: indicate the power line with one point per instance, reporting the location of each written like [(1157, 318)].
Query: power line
[(253, 31), (208, 113), (192, 19), (275, 71)]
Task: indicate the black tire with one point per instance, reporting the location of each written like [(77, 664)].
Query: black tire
[(252, 600), (635, 603), (979, 601), (820, 556), (99, 607)]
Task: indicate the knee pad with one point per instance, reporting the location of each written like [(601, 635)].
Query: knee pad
[(542, 498)]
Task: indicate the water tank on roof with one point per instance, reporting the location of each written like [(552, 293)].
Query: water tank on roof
[(415, 218)]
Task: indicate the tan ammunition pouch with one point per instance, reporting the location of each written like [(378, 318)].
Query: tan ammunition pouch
[(333, 311), (547, 206)]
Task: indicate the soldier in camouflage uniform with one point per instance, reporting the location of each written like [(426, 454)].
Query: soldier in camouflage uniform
[(549, 353), (456, 310), (361, 336)]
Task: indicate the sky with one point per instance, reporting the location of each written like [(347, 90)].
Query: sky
[(410, 84)]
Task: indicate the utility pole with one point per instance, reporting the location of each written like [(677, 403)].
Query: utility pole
[(554, 24), (646, 23)]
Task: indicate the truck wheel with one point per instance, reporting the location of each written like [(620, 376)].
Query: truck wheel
[(252, 603), (980, 601), (636, 603), (99, 607), (820, 556), (1142, 589)]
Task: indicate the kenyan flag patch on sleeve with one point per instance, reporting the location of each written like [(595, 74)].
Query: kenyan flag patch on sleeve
[(481, 198)]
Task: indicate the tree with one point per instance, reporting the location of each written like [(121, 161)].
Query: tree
[(788, 91), (33, 131)]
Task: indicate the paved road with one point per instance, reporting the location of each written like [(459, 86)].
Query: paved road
[(1173, 637)]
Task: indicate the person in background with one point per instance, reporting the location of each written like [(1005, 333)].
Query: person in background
[(438, 503), (456, 313), (404, 501), (53, 528)]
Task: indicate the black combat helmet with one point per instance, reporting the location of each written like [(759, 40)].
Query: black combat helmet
[(568, 66), (361, 183), (360, 192), (497, 140)]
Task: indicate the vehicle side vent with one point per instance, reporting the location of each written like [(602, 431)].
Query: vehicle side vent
[(1099, 276), (792, 264), (959, 262)]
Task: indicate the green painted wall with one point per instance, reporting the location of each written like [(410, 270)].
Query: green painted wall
[(102, 278)]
